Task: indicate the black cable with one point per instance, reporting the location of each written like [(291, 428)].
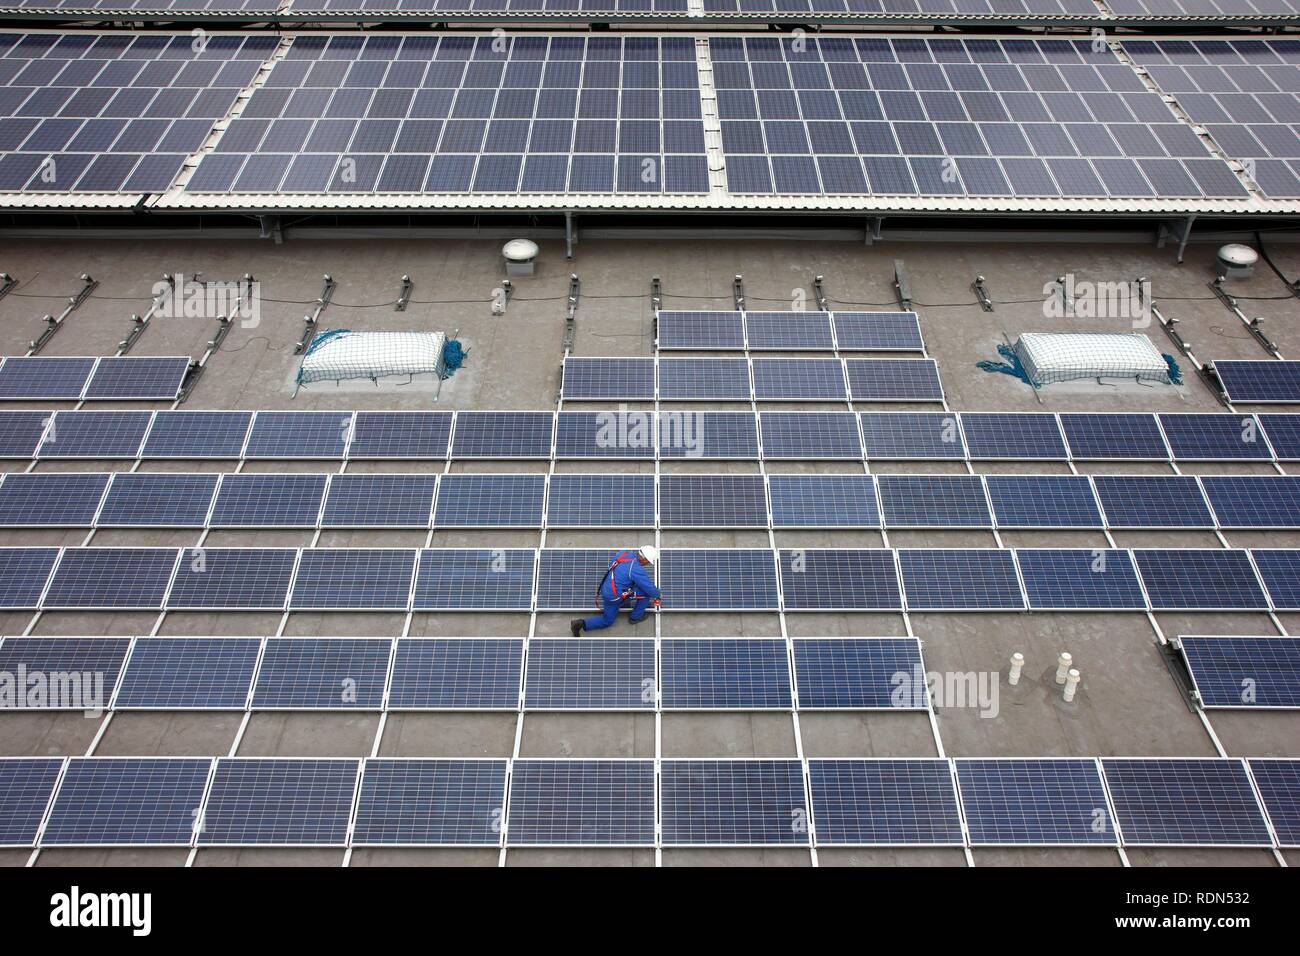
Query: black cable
[(1292, 284)]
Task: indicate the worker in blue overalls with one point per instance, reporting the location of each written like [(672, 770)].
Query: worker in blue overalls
[(627, 580)]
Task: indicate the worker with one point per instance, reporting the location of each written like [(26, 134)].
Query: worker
[(627, 580)]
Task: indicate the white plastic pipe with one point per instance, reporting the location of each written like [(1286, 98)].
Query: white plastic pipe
[(1017, 662), (1063, 666), (1071, 683)]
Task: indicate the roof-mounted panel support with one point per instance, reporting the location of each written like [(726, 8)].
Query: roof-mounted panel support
[(52, 324), (902, 288), (7, 284), (981, 291), (738, 292), (309, 322), (819, 293), (571, 314), (404, 294), (1254, 326)]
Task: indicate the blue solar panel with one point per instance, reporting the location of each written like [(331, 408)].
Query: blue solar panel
[(601, 501), (407, 435), (95, 435), (189, 673), (502, 435), (1199, 579), (269, 501), (322, 673), (850, 673), (686, 435), (299, 435), (884, 802), (582, 803), (138, 377), (823, 501), (1047, 802), (51, 500), (833, 579), (725, 674), (894, 380), (1214, 437), (20, 433), (111, 578), (1153, 501), (1279, 790), (877, 331), (379, 501), (430, 803), (1082, 579), (974, 579), (701, 331), (498, 579), (127, 801), (353, 579), (590, 674), (620, 434), (608, 378), (789, 331), (934, 501), (143, 499), (716, 579), (23, 574), (232, 579), (568, 577), (1283, 432), (1280, 571), (197, 435), (733, 803), (26, 784), (1128, 437), (1184, 802), (704, 378), (1006, 435), (279, 802), (712, 501), (1266, 381), (799, 379), (41, 377), (1244, 671), (1043, 501), (915, 436), (490, 501), (90, 666), (456, 674), (810, 435), (1254, 501)]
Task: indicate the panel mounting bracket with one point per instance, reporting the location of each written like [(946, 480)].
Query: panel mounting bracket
[(738, 292), (981, 291), (7, 284), (902, 288), (571, 314), (819, 293), (1254, 326), (404, 296), (656, 294), (309, 321), (52, 324)]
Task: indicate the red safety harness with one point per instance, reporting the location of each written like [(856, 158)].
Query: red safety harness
[(623, 557)]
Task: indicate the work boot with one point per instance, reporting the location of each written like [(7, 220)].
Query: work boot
[(577, 626)]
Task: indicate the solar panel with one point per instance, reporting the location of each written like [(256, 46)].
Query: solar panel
[(95, 435), (189, 673), (143, 499), (884, 802), (1283, 433), (703, 378), (406, 435), (1280, 572), (608, 378), (1043, 501), (934, 501), (76, 673), (279, 802), (1012, 436), (490, 501), (1214, 437), (499, 579), (733, 803), (975, 579), (1184, 802), (232, 579), (502, 435), (40, 377), (23, 575), (287, 435), (51, 500), (829, 579), (20, 433), (582, 803), (1153, 501), (1244, 671), (850, 673), (26, 784), (894, 380), (149, 377), (810, 435), (1199, 579), (111, 578), (590, 674), (197, 435), (877, 332), (1279, 785), (712, 501), (700, 331), (1254, 501), (686, 435), (601, 501), (786, 331), (408, 802), (268, 501), (716, 579), (456, 674), (799, 379), (127, 801), (617, 434), (379, 501), (1044, 802), (1268, 381), (1080, 579), (1128, 437), (911, 436), (725, 674), (823, 501), (305, 673), (353, 579), (568, 577)]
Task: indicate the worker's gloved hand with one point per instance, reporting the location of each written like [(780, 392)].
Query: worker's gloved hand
[(655, 602)]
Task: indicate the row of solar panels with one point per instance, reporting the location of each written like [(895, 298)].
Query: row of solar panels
[(259, 501), (668, 434), (758, 379), (88, 378), (692, 579), (786, 331), (335, 673), (1235, 671), (234, 801)]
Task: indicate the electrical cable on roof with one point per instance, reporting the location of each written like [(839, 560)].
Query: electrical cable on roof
[(1290, 283)]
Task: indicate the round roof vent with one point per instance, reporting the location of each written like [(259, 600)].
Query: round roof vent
[(520, 250), (1239, 256)]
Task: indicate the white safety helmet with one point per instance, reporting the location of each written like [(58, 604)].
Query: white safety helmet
[(649, 552)]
